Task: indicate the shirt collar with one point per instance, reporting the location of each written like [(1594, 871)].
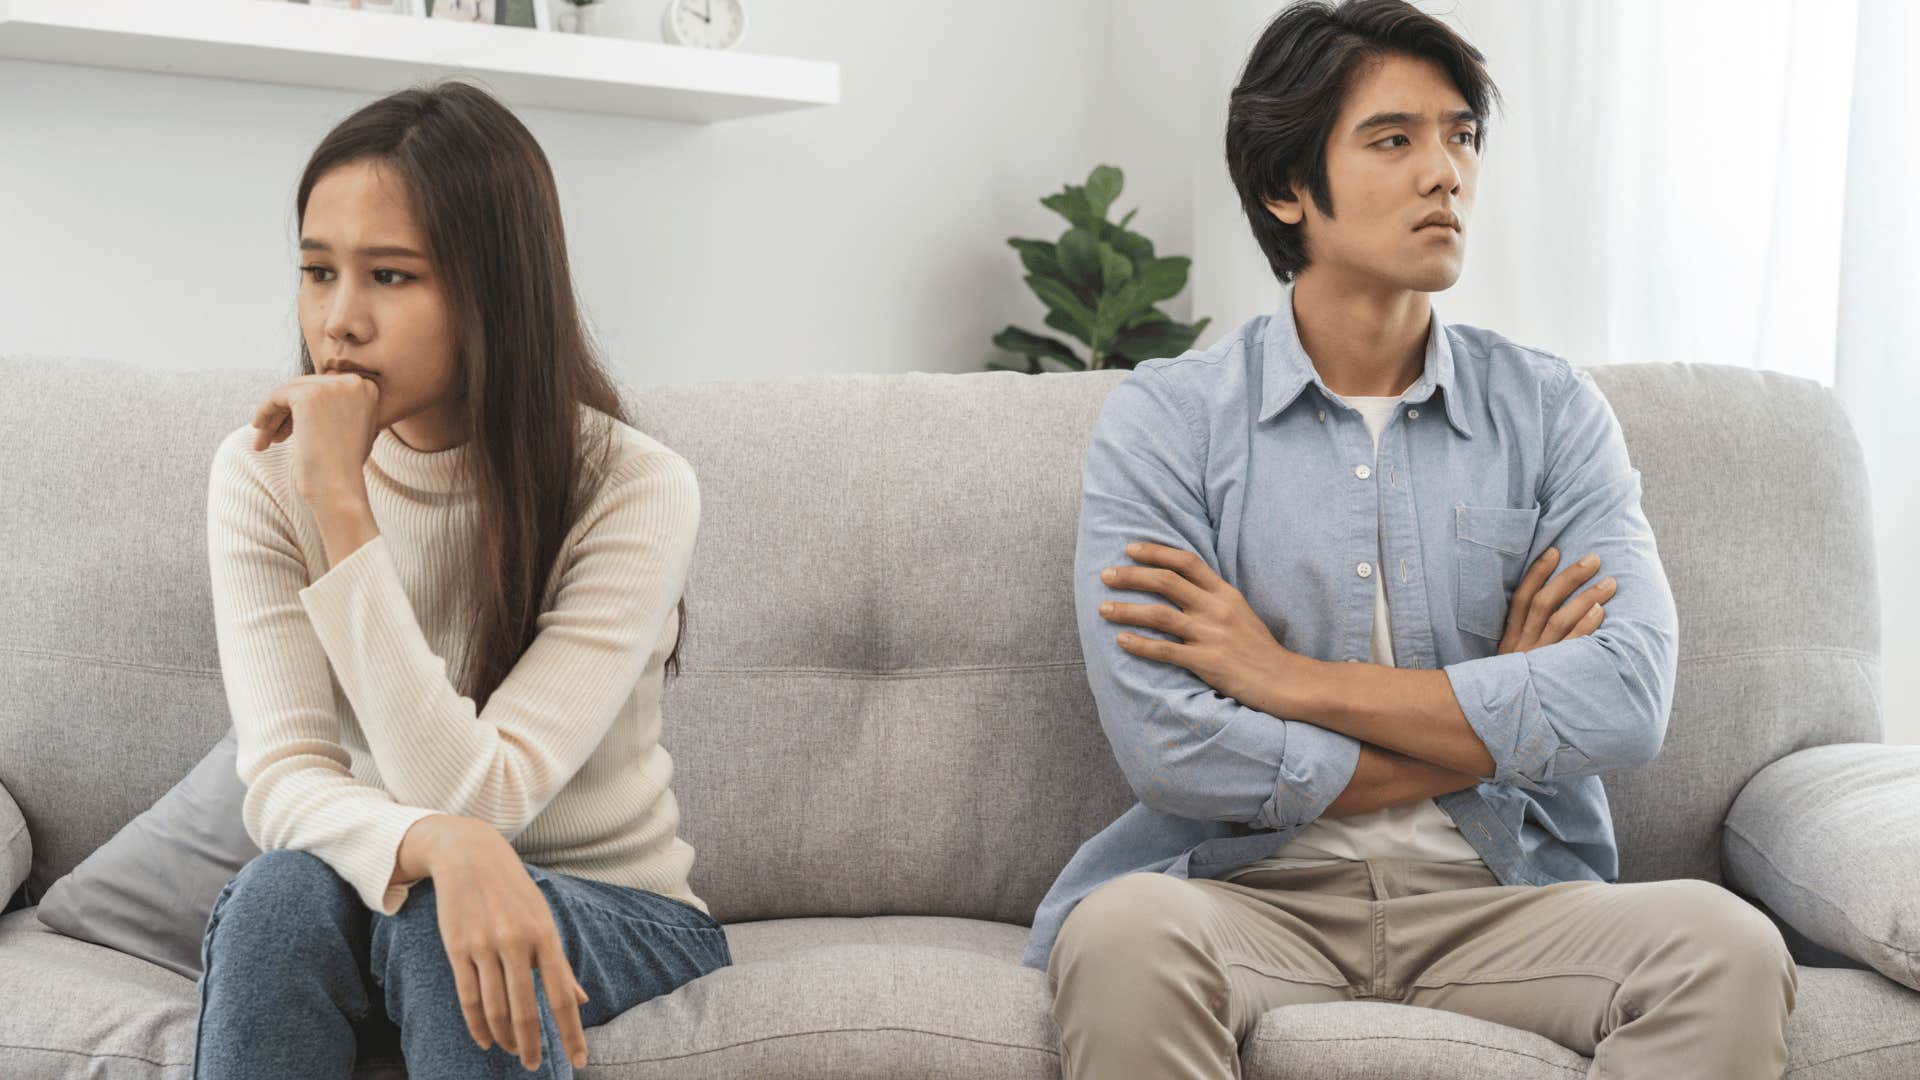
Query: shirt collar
[(1287, 369)]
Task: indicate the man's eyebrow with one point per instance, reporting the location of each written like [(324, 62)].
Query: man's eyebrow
[(310, 244), (1388, 119)]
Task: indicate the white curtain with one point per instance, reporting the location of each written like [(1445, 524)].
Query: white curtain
[(1719, 181)]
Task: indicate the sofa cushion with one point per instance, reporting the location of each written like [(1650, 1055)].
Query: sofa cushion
[(148, 891), (876, 997), (1824, 838)]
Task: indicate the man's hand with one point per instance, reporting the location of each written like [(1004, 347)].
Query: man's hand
[(1541, 616), (1222, 640), (497, 928)]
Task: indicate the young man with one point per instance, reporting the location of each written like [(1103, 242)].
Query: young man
[(1364, 771)]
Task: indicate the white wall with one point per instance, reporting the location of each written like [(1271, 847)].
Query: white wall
[(150, 217)]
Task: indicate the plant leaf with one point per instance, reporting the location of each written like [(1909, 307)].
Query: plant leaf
[(1115, 269), (1131, 244), (1015, 340), (1123, 221), (1103, 186), (1162, 278), (1065, 325), (1152, 340), (1062, 302), (1080, 261), (1070, 204), (1037, 256)]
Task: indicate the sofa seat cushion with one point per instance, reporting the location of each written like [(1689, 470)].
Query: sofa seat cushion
[(846, 998), (884, 996)]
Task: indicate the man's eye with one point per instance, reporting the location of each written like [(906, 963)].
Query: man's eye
[(1390, 138)]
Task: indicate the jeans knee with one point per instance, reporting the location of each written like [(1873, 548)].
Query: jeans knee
[(409, 935), (283, 893)]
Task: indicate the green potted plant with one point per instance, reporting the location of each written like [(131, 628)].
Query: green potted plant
[(1100, 283)]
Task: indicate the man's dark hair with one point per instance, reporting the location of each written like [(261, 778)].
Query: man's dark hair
[(1282, 111)]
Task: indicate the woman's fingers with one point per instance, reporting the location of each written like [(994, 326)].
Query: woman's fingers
[(494, 1002), (273, 427), (466, 983), (526, 1007), (556, 973)]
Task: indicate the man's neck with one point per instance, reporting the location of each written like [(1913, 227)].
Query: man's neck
[(1362, 344)]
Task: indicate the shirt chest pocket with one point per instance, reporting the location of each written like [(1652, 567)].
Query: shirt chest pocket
[(1490, 554)]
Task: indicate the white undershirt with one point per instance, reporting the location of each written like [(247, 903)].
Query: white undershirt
[(1415, 830)]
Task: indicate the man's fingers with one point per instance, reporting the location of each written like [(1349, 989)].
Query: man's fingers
[(1553, 594)]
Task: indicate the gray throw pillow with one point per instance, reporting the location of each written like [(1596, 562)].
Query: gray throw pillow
[(1824, 839), (16, 847), (149, 891)]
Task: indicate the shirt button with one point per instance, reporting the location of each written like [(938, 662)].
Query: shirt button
[(1413, 414), (1320, 415), (1364, 570), (1363, 472)]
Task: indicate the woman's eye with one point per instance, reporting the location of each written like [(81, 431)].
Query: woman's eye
[(314, 272)]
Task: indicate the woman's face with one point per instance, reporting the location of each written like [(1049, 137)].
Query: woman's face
[(370, 301)]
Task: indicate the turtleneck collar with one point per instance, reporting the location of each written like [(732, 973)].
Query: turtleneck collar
[(439, 472)]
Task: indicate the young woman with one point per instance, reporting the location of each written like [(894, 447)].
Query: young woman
[(447, 579)]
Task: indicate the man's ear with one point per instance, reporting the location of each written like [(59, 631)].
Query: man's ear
[(1287, 208)]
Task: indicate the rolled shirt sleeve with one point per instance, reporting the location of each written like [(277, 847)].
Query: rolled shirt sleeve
[(1184, 748), (1598, 702)]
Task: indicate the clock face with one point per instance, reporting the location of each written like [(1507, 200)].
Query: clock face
[(707, 24)]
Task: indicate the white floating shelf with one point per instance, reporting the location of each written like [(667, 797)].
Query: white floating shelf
[(299, 45)]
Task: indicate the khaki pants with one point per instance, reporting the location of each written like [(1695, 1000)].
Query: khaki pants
[(1157, 976)]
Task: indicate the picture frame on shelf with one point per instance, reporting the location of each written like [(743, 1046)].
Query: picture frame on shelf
[(522, 13)]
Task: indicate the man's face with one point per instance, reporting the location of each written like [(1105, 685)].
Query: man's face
[(1400, 149), (380, 312)]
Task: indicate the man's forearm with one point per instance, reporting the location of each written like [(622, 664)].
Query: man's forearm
[(1409, 710), (1384, 778)]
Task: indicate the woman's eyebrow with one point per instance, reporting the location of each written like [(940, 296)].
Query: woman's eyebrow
[(310, 244)]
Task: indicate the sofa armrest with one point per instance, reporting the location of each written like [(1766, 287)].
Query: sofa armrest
[(16, 847), (1824, 837)]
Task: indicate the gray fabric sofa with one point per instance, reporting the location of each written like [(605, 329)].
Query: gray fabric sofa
[(885, 742)]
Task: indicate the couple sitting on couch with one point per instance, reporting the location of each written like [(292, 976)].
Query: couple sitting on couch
[(1365, 719)]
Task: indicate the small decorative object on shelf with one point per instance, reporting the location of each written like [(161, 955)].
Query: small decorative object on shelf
[(386, 7), (476, 11), (576, 16), (705, 24)]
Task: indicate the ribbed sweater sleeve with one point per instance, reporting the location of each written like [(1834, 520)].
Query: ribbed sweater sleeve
[(301, 792), (504, 763)]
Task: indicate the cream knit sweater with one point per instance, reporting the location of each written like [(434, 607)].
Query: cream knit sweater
[(349, 727)]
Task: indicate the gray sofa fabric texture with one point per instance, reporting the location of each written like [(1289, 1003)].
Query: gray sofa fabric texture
[(884, 742)]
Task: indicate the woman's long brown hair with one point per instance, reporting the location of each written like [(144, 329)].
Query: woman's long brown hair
[(483, 194)]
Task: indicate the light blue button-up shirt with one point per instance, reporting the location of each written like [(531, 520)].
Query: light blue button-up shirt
[(1241, 454)]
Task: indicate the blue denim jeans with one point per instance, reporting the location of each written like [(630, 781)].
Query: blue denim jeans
[(299, 979)]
